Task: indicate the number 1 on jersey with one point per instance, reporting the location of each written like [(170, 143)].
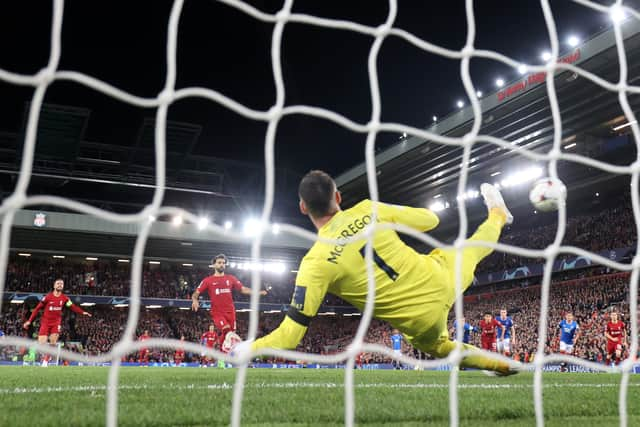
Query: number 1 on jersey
[(393, 275)]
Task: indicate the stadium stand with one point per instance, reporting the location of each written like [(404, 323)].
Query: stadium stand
[(589, 294)]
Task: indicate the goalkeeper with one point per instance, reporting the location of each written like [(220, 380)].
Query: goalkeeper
[(414, 292)]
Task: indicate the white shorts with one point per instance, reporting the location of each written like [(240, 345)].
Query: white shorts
[(504, 345), (566, 348)]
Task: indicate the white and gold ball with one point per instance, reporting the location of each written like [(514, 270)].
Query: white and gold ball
[(547, 194)]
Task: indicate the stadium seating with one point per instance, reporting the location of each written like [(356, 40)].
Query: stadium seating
[(587, 292), (589, 298)]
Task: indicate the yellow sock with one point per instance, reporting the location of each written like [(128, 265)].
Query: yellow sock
[(480, 361)]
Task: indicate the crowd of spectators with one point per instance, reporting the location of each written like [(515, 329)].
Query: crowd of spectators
[(111, 278), (590, 298), (589, 293), (609, 229)]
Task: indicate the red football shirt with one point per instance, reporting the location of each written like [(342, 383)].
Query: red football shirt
[(143, 337), (489, 328), (209, 339), (53, 306), (616, 330), (220, 290)]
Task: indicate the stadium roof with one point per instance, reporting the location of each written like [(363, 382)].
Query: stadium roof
[(79, 234), (121, 178), (122, 175), (415, 170)]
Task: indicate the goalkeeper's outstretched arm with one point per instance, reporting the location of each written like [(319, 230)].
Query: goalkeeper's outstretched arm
[(287, 336), (312, 283)]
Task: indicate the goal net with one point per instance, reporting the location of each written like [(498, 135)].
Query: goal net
[(43, 79)]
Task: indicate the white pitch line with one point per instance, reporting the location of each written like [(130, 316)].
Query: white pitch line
[(228, 386)]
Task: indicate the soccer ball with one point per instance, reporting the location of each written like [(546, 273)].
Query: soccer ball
[(230, 341), (547, 194)]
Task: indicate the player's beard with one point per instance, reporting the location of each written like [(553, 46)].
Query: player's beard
[(219, 270)]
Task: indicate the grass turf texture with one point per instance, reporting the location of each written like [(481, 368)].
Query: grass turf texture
[(193, 397)]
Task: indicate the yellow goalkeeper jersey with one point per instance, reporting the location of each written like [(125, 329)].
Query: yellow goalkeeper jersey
[(402, 276)]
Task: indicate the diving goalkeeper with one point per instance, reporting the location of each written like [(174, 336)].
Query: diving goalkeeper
[(414, 292)]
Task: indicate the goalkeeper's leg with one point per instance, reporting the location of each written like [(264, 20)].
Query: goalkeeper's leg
[(441, 346), (489, 231)]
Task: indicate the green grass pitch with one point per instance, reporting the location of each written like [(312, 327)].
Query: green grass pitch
[(75, 396)]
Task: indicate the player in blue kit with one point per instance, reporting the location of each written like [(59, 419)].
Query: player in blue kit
[(396, 342), (569, 333), (509, 337), (467, 329)]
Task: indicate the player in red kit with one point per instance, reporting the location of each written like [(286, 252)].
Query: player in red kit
[(360, 360), (143, 355), (51, 322), (220, 287), (488, 327), (208, 339), (178, 357), (616, 335)]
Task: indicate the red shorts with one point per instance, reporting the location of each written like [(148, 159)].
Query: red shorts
[(224, 322), (613, 346), (48, 328), (488, 344)]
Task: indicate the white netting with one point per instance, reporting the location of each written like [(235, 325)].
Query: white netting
[(41, 81)]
